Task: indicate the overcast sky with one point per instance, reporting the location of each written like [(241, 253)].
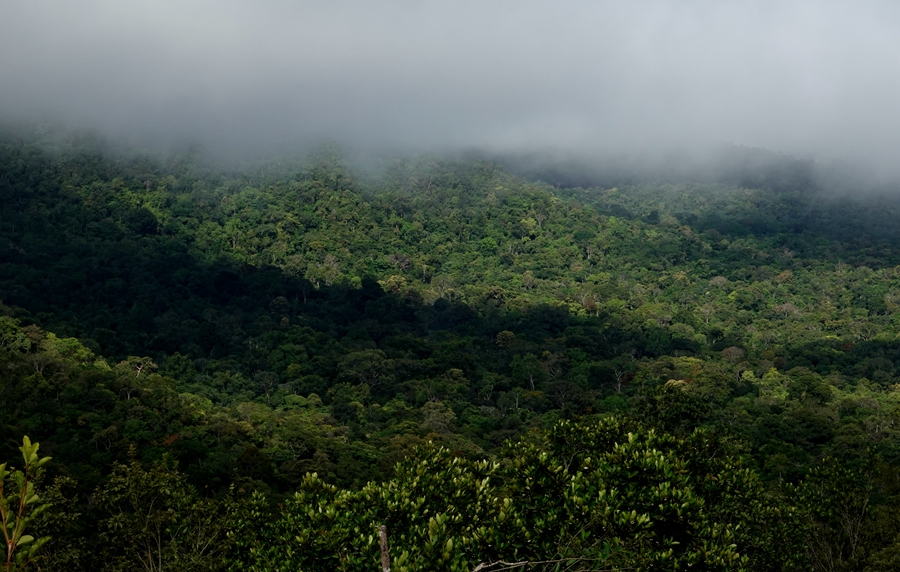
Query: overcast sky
[(815, 78)]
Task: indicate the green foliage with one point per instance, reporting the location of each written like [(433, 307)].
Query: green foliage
[(67, 527), (836, 500), (12, 339), (601, 494), (290, 319), (155, 521), (19, 506)]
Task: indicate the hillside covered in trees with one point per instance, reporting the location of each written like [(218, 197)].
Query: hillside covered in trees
[(252, 369)]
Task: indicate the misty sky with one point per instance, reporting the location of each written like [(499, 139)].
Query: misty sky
[(815, 78)]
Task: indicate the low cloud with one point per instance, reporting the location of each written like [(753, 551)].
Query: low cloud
[(815, 79)]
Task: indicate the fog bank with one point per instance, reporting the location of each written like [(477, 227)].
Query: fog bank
[(819, 80)]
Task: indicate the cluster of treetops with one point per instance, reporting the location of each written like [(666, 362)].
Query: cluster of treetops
[(251, 370)]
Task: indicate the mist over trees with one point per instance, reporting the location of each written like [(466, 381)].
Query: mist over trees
[(805, 78), (459, 286), (252, 369)]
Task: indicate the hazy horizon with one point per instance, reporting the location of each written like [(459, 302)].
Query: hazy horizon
[(816, 80)]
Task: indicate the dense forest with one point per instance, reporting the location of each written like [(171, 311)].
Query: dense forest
[(252, 369)]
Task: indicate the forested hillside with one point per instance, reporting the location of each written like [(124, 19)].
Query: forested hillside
[(648, 376)]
